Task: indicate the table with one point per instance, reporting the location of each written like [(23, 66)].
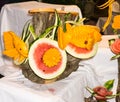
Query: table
[(14, 87)]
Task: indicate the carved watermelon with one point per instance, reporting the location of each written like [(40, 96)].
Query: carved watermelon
[(81, 53), (46, 59)]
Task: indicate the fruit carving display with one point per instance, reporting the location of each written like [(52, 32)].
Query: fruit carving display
[(46, 54)]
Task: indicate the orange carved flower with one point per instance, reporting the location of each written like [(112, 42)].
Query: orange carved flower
[(116, 22)]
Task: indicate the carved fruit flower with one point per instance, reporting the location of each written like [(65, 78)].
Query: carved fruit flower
[(116, 23), (101, 93), (115, 47)]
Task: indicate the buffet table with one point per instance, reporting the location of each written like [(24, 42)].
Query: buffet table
[(14, 87)]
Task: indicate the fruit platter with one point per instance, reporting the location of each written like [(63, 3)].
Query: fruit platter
[(51, 45)]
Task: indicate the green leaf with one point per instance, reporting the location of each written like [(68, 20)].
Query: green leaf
[(51, 31), (56, 24), (119, 36), (25, 29), (112, 96), (77, 23), (115, 31), (31, 29), (109, 84), (67, 16), (115, 57), (90, 90), (111, 41), (46, 32)]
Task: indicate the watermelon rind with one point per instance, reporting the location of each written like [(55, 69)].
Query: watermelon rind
[(33, 65), (90, 54)]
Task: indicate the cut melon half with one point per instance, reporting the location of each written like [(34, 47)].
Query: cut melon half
[(47, 67), (81, 52)]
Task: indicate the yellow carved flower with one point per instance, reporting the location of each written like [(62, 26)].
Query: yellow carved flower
[(51, 57), (15, 47), (83, 36)]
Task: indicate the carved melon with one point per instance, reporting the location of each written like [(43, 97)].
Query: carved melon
[(81, 53), (46, 59)]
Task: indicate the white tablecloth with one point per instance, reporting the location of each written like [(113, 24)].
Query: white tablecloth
[(14, 87)]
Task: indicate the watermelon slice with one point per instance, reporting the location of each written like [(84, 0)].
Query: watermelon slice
[(81, 53), (46, 59)]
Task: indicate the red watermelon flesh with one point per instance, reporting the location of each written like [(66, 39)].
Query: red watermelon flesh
[(38, 54), (79, 50), (81, 53)]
